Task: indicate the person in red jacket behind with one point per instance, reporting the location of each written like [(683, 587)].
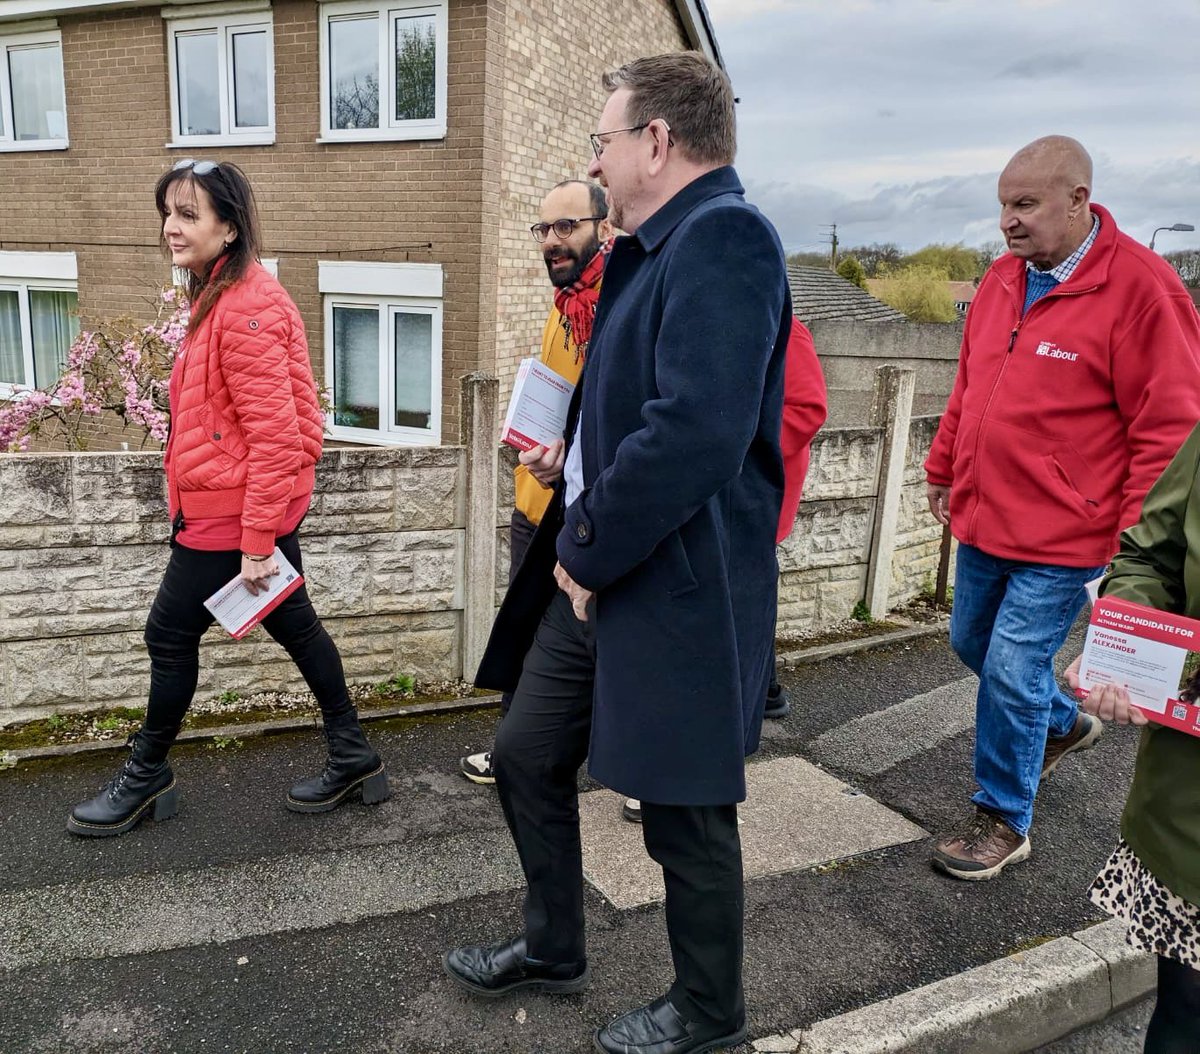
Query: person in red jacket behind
[(1078, 379), (804, 411), (246, 433)]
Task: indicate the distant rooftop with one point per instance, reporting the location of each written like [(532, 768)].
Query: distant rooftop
[(820, 294)]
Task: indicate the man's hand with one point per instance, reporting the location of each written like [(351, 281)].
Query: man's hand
[(545, 463), (939, 502), (578, 596), (1109, 702)]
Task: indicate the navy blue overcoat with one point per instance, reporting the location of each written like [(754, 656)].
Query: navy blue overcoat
[(679, 422)]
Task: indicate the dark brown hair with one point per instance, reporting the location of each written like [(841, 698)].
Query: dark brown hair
[(691, 94), (233, 201)]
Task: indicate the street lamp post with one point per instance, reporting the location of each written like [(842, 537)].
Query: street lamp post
[(1173, 227)]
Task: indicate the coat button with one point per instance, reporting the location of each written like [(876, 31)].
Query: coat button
[(216, 435), (581, 531)]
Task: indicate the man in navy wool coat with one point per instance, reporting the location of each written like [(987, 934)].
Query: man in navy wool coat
[(650, 658)]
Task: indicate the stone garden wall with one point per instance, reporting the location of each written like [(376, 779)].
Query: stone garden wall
[(83, 542)]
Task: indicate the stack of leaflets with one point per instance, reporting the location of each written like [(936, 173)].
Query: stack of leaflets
[(537, 411), (239, 610)]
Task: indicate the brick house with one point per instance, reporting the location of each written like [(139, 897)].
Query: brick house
[(399, 150)]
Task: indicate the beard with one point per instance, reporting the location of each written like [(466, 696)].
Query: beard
[(561, 279)]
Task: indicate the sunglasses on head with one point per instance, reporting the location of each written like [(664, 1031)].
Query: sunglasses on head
[(200, 168)]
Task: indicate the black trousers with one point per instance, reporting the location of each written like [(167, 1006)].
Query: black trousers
[(520, 534), (178, 619), (540, 746)]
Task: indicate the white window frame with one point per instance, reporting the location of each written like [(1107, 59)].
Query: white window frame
[(389, 128), (15, 38), (226, 20), (391, 288), (25, 272)]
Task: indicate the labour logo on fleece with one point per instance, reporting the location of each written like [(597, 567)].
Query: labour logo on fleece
[(1050, 350)]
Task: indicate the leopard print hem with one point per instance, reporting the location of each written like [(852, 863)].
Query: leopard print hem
[(1156, 919)]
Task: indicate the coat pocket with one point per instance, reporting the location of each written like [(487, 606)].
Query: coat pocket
[(222, 433), (1075, 479), (673, 566)]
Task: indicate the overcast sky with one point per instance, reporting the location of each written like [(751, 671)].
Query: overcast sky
[(893, 118)]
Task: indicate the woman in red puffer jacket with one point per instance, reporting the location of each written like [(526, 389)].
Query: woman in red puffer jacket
[(246, 432)]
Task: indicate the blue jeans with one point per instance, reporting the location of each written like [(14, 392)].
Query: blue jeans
[(1009, 620)]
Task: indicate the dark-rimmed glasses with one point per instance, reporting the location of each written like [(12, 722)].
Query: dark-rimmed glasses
[(200, 168), (564, 228), (599, 144)]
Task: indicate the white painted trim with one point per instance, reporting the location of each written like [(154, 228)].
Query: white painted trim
[(355, 278), (384, 135), (29, 146), (197, 141), (11, 10), (271, 263), (202, 11), (698, 27), (54, 267), (39, 25)]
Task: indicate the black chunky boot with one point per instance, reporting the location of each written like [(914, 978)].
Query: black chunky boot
[(144, 786), (351, 766)]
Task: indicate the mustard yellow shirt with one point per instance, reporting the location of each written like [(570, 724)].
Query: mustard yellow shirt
[(531, 497)]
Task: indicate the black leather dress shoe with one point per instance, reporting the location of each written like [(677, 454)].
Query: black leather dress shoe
[(503, 968), (660, 1029)]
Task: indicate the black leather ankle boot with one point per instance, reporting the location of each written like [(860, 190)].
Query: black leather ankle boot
[(351, 766), (143, 786)]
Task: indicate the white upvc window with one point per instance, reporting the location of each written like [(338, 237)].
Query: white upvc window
[(222, 68), (383, 70), (383, 351), (39, 318), (33, 107)]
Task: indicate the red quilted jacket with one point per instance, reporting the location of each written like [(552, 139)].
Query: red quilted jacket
[(246, 426)]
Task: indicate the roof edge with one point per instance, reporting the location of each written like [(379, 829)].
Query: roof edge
[(698, 25)]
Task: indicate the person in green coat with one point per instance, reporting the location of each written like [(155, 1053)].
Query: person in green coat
[(1152, 880)]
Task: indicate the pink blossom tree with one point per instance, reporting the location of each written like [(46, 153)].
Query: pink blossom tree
[(119, 367)]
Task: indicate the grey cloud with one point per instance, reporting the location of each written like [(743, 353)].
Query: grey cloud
[(1043, 67)]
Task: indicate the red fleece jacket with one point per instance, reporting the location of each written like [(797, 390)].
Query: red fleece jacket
[(1060, 421), (804, 411)]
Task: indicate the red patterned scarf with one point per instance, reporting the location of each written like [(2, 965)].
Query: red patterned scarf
[(577, 302)]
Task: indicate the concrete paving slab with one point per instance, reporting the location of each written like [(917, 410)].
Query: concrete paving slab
[(1004, 1007), (149, 913), (1131, 973), (795, 816), (876, 742)]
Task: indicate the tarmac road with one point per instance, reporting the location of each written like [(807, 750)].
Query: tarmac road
[(240, 927)]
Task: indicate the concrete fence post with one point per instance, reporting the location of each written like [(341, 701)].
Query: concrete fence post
[(891, 410), (480, 437)]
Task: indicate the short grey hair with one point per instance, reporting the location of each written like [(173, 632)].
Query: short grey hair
[(691, 94)]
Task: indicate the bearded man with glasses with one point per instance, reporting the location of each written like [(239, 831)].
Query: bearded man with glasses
[(574, 234)]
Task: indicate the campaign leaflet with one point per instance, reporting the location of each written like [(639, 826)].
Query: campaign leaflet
[(1144, 650), (239, 611), (537, 411)]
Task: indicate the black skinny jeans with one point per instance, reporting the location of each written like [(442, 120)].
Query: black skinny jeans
[(179, 618)]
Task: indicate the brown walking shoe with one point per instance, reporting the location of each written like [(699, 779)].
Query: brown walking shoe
[(982, 850), (1086, 731)]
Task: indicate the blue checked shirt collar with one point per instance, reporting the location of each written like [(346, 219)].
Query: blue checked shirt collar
[(1067, 268)]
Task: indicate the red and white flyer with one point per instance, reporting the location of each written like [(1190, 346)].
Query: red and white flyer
[(239, 610), (537, 411), (1143, 650)]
